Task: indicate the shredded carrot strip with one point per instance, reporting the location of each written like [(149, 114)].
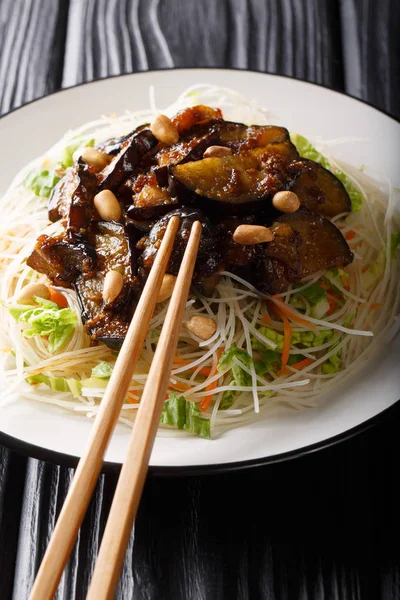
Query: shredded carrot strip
[(350, 234), (302, 364), (180, 386), (58, 298), (205, 402), (266, 319), (290, 313), (132, 398), (178, 360), (332, 304), (345, 281), (375, 305)]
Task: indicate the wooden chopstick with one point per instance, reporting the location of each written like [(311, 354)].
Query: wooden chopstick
[(133, 473), (89, 467)]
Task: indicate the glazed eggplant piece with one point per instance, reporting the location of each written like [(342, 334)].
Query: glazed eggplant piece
[(187, 118), (208, 257), (108, 322), (234, 254), (114, 145), (240, 182), (304, 243), (62, 260), (239, 137), (190, 147), (150, 200), (133, 149), (72, 198), (320, 191)]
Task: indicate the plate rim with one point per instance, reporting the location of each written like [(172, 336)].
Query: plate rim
[(69, 460)]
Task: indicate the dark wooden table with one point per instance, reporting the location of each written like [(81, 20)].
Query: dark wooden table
[(325, 526)]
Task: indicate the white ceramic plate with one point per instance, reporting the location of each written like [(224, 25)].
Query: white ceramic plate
[(309, 109)]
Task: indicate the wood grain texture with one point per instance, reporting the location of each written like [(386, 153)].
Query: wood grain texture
[(372, 51), (32, 39), (292, 37), (324, 527)]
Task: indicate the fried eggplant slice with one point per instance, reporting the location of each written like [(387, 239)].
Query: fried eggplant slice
[(240, 182), (186, 118), (320, 191), (190, 146), (234, 254), (72, 198), (62, 260), (125, 162), (304, 243), (239, 137), (114, 145), (151, 202), (208, 257), (108, 322)]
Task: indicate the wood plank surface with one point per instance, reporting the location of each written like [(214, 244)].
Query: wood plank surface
[(323, 527)]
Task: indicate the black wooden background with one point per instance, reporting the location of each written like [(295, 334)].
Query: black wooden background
[(325, 526)]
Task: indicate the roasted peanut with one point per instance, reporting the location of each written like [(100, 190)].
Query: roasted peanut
[(60, 171), (248, 235), (112, 286), (167, 287), (107, 206), (287, 202), (217, 152), (164, 130), (95, 158), (26, 295), (201, 326)]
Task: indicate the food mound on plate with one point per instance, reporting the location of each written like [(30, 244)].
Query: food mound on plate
[(265, 214)]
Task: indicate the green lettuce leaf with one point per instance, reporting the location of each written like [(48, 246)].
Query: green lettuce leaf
[(304, 339), (94, 382), (313, 293), (57, 384), (102, 371), (376, 269), (227, 400), (309, 339), (270, 334), (349, 319), (270, 359), (394, 244), (41, 182), (307, 150), (46, 320), (334, 277), (226, 362), (195, 423), (333, 364), (179, 413), (240, 377)]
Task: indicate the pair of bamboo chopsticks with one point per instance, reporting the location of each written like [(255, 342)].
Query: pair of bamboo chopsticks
[(134, 469)]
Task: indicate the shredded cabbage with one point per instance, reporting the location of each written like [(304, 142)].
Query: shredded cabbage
[(41, 182), (46, 320), (181, 414)]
